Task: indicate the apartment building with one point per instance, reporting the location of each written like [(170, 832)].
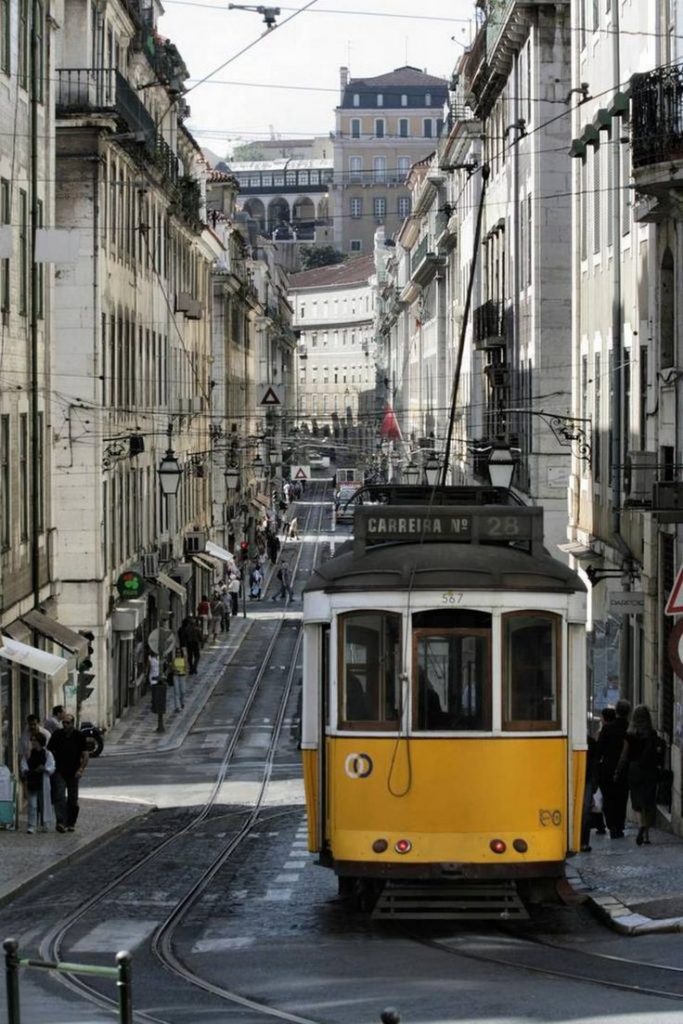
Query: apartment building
[(383, 125), (334, 313), (627, 351), (132, 342), (32, 674)]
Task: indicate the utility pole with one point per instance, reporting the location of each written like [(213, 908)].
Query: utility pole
[(36, 440)]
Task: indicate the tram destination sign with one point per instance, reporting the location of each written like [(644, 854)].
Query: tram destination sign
[(414, 524)]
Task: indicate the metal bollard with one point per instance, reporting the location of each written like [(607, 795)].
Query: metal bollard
[(11, 948), (123, 984), (390, 1015)]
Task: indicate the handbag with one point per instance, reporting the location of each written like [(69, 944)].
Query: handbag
[(597, 802)]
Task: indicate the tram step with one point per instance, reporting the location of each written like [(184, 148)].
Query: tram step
[(463, 901)]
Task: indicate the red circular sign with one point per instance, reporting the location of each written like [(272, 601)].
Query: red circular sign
[(674, 649)]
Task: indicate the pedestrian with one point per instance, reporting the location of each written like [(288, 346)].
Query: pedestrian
[(234, 591), (152, 671), (273, 544), (641, 759), (294, 529), (284, 576), (614, 788), (178, 672), (33, 727), (204, 614), (189, 637), (589, 794), (70, 750), (255, 583), (216, 615), (36, 770), (54, 721)]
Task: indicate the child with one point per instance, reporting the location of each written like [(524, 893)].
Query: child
[(36, 770)]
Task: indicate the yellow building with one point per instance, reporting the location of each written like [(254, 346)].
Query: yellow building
[(383, 126)]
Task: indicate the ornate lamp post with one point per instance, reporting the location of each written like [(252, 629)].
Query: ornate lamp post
[(501, 465)]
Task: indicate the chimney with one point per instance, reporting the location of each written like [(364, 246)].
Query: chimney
[(343, 81)]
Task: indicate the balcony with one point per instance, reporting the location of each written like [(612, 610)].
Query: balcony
[(105, 92), (490, 325), (657, 116)]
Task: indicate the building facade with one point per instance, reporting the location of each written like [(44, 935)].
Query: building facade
[(334, 313), (132, 343), (383, 126)]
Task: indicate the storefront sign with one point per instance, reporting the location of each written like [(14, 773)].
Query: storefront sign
[(626, 602), (130, 584)]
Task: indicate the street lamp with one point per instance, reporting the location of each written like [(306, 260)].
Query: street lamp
[(232, 477), (432, 471), (411, 474), (501, 465), (169, 472), (259, 468)]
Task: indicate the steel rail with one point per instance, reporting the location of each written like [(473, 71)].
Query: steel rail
[(52, 942)]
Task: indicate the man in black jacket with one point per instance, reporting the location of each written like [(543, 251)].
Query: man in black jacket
[(614, 792), (70, 750)]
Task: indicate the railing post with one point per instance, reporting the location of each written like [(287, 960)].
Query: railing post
[(123, 984), (12, 981)]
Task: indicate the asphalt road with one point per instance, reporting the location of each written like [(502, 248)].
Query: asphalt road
[(267, 931)]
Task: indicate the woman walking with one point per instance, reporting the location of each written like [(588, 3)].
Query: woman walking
[(641, 759)]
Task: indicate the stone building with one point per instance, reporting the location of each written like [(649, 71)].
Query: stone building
[(132, 343), (334, 313), (384, 124)]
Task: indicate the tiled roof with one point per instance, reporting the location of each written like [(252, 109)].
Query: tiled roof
[(400, 76), (355, 271)]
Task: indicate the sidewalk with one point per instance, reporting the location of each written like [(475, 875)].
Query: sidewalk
[(636, 890), (26, 859)]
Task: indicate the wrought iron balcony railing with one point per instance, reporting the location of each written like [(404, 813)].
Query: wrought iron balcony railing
[(490, 324), (657, 115)]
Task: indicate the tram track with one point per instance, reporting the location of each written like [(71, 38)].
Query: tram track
[(162, 940), (462, 947)]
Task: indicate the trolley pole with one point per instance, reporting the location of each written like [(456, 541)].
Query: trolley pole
[(123, 984), (12, 980)]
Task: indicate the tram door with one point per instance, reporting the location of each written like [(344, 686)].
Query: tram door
[(452, 685)]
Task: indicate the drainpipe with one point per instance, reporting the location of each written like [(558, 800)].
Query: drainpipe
[(36, 440)]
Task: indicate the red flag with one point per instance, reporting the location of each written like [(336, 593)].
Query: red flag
[(390, 430)]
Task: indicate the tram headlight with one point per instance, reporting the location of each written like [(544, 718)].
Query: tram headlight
[(380, 845), (498, 846), (520, 845), (403, 846)]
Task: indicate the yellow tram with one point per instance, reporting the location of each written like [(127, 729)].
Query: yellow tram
[(444, 705)]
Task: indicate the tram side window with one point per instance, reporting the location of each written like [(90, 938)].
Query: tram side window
[(453, 675), (531, 671), (370, 652)]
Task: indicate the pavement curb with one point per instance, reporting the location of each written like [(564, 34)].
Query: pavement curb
[(74, 855), (615, 914), (179, 735)]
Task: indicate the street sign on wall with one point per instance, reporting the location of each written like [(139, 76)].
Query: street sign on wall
[(674, 606), (300, 473), (626, 602)]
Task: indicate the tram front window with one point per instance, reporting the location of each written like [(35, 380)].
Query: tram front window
[(370, 652), (531, 657), (453, 680)]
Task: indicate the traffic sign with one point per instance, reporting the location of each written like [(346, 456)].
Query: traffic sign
[(300, 473), (674, 606), (167, 643), (674, 649), (270, 395)]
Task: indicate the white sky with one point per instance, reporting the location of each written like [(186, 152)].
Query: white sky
[(366, 35)]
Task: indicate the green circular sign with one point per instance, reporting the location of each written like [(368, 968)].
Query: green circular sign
[(130, 584)]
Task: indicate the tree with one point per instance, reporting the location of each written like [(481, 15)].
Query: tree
[(248, 151), (313, 256)]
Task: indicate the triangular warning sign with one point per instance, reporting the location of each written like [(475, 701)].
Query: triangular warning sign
[(270, 397), (674, 606), (300, 474)]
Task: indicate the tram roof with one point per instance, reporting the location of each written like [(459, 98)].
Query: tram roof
[(444, 566)]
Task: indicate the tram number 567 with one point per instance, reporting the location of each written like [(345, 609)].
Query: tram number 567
[(549, 818)]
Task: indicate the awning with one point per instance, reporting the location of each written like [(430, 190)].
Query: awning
[(204, 564), (165, 581), (262, 504), (53, 630), (578, 550), (56, 668), (221, 553)]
